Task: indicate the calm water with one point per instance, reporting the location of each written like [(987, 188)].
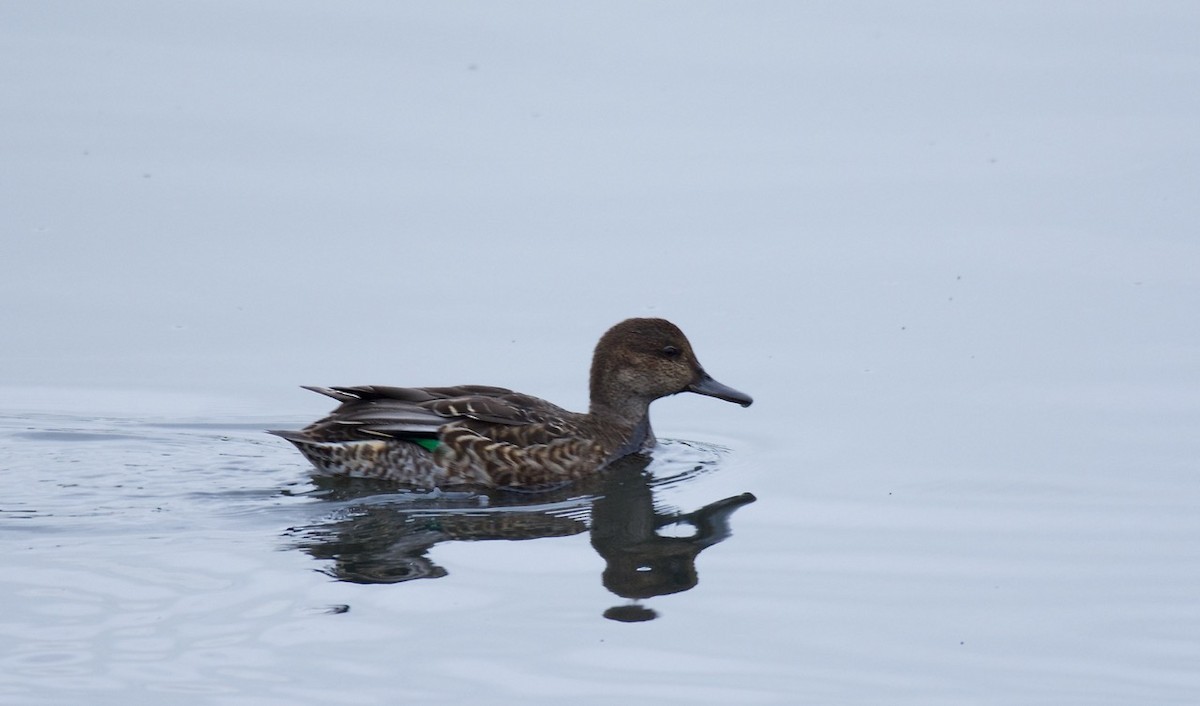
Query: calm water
[(194, 561), (196, 558)]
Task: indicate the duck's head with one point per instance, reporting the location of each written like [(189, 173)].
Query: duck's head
[(639, 360)]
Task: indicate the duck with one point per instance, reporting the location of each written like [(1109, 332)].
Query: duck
[(479, 436)]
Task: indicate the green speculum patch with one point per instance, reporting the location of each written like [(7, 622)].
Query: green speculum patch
[(429, 443)]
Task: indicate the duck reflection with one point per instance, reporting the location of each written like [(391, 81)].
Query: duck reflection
[(380, 536)]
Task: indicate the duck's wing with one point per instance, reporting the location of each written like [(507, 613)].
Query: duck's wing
[(374, 411)]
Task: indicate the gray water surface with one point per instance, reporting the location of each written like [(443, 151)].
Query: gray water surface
[(196, 558), (197, 561)]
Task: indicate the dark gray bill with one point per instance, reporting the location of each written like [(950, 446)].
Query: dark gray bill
[(705, 385)]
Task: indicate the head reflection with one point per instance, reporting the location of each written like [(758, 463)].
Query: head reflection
[(640, 562)]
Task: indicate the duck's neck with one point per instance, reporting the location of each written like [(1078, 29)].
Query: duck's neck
[(621, 417), (625, 412), (625, 425), (622, 410), (639, 439)]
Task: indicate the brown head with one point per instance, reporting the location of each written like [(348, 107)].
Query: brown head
[(639, 360)]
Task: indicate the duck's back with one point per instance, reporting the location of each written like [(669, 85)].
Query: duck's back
[(375, 411)]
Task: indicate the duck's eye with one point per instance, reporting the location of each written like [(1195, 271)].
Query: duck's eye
[(671, 352)]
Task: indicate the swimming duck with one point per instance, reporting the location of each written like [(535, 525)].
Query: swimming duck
[(492, 437)]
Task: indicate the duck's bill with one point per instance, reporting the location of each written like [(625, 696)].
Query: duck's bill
[(705, 385)]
